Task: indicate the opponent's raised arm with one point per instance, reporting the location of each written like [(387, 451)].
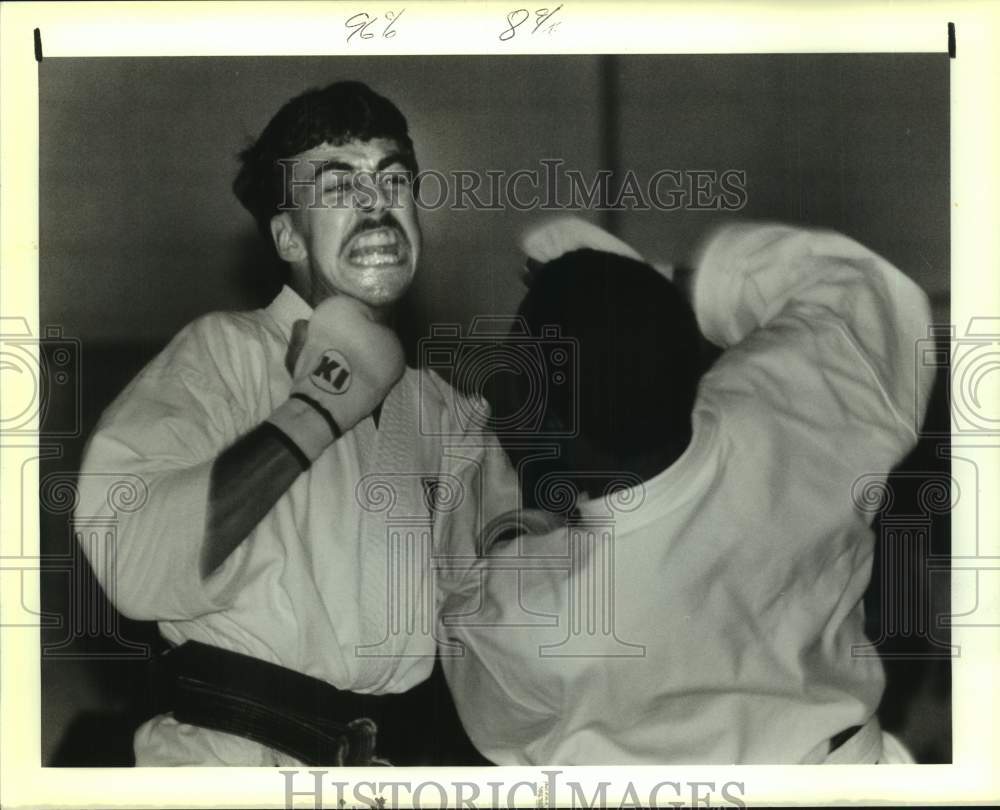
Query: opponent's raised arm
[(816, 323)]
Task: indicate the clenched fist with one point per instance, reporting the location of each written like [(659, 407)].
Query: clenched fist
[(343, 364)]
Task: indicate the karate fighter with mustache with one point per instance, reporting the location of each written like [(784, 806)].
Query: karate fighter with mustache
[(258, 436)]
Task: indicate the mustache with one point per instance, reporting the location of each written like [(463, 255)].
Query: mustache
[(385, 220)]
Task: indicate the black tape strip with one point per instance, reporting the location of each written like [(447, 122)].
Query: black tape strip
[(952, 50), (38, 45), (312, 403)]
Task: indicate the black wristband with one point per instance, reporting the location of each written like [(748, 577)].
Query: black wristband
[(312, 403), (277, 433)]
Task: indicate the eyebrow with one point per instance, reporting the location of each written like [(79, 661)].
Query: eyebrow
[(388, 160), (341, 166), (331, 165)]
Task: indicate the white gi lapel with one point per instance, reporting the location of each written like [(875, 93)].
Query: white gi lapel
[(397, 594)]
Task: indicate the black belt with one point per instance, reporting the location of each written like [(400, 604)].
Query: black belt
[(302, 716), (841, 737)]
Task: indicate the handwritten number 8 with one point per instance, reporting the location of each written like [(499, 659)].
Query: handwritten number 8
[(523, 13)]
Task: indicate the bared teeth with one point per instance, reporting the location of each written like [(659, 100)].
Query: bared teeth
[(381, 238), (378, 247), (372, 258)]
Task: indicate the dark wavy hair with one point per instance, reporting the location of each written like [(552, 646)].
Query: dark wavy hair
[(639, 362), (341, 112)]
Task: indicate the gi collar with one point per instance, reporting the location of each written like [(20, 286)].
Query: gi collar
[(287, 308)]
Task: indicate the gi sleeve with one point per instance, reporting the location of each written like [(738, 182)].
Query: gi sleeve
[(160, 438), (819, 331), (498, 623)]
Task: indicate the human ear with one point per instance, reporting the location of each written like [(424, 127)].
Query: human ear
[(287, 240)]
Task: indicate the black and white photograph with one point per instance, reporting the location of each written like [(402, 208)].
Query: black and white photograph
[(476, 410)]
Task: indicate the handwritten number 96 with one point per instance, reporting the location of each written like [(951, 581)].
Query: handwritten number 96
[(359, 24), (520, 16)]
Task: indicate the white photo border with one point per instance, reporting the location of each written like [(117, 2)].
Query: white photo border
[(186, 29)]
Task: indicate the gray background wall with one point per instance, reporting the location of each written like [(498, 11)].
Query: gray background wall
[(140, 234)]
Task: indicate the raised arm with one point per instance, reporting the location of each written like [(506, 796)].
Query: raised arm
[(210, 473), (813, 323), (343, 365)]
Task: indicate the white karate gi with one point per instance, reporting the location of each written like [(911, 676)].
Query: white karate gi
[(309, 588), (735, 631)]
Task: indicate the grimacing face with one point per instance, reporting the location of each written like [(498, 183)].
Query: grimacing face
[(351, 224)]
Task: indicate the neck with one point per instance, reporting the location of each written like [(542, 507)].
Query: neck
[(315, 296), (383, 315)]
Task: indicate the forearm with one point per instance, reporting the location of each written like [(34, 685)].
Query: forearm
[(345, 365), (247, 480), (251, 475)]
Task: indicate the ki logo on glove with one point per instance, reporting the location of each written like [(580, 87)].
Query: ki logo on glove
[(332, 373)]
